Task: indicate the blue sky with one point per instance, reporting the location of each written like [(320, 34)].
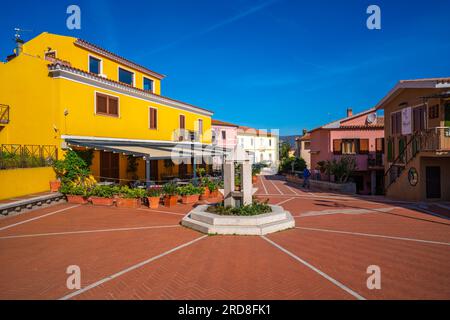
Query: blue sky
[(282, 64)]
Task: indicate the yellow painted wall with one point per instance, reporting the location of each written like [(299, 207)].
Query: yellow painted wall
[(20, 182), (79, 57)]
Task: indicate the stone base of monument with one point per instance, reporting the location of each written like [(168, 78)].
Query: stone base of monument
[(209, 223)]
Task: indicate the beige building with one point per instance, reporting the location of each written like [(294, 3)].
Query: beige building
[(303, 148), (417, 140)]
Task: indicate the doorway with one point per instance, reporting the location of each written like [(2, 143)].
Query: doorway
[(109, 166), (433, 182)]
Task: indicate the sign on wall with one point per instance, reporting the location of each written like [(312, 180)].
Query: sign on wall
[(406, 120)]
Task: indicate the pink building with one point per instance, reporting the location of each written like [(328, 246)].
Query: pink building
[(360, 136), (224, 134)]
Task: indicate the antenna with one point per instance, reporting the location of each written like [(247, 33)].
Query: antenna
[(18, 31)]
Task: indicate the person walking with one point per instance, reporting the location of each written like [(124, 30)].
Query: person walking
[(306, 176)]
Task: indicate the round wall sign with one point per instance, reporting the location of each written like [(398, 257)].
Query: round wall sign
[(413, 176)]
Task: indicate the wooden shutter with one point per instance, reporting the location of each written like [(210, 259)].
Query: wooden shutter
[(337, 146), (182, 122), (102, 103), (379, 145), (153, 118), (113, 106), (364, 146), (200, 126)]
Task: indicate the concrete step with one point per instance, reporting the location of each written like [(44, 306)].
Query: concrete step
[(24, 205)]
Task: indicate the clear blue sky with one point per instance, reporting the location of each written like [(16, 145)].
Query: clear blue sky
[(285, 64)]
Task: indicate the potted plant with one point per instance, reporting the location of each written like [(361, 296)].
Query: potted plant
[(74, 193), (189, 194), (213, 189), (153, 197), (204, 182), (255, 171), (170, 195), (130, 198), (103, 195), (58, 167)]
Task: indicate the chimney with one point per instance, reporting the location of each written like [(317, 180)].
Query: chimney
[(305, 131), (349, 112), (19, 48)]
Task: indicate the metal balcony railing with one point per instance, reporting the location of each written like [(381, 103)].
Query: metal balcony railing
[(13, 156), (4, 114)]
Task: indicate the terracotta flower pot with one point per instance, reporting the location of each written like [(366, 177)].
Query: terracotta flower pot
[(170, 201), (193, 198), (128, 203), (76, 199), (55, 185), (205, 194), (237, 188), (98, 201), (214, 194), (153, 202), (254, 179)]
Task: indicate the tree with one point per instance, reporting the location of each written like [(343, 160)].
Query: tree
[(284, 151), (341, 169)]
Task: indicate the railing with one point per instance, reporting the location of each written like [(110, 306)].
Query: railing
[(375, 160), (4, 114), (435, 139), (13, 156)]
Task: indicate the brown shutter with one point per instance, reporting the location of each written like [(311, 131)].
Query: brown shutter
[(337, 146), (113, 106), (153, 118), (182, 122), (380, 145), (101, 103), (364, 146)]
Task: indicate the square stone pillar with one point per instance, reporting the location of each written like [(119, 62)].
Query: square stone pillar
[(247, 186), (228, 183)]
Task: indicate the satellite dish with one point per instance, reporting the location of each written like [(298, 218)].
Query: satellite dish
[(371, 118)]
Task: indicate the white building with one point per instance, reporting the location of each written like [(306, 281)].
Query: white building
[(262, 146)]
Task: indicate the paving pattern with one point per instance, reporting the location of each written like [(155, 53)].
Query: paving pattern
[(146, 254)]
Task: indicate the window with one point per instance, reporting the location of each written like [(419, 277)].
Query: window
[(396, 123), (270, 156), (364, 146), (153, 118), (107, 105), (50, 55), (379, 142), (126, 76), (148, 84), (337, 146), (307, 145), (261, 157), (182, 122), (390, 153), (251, 142), (95, 65), (224, 135), (433, 112), (419, 119), (270, 142), (348, 147)]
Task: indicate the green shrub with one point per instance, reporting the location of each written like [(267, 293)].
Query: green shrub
[(72, 168), (73, 190), (212, 186), (189, 190), (256, 208), (154, 192), (104, 191), (128, 193), (170, 189)]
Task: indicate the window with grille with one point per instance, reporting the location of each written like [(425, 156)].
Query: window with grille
[(153, 113)]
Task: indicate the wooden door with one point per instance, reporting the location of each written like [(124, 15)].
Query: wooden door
[(433, 182), (109, 166)]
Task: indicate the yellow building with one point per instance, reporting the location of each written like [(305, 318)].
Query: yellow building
[(417, 138), (59, 92)]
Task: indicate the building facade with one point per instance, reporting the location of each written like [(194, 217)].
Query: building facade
[(224, 135), (359, 136), (303, 148), (262, 146), (417, 160), (61, 92)]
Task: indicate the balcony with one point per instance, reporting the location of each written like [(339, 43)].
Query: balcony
[(435, 139), (4, 114)]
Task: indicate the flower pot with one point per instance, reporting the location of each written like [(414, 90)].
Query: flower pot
[(205, 194), (76, 199), (214, 194), (98, 201), (193, 198), (55, 185), (254, 179), (237, 188), (128, 203), (170, 201), (153, 202)]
